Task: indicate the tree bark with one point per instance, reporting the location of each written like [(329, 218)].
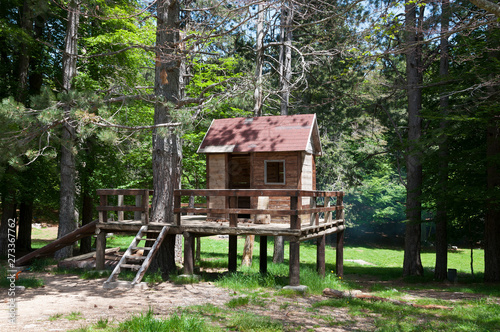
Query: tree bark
[(285, 62), (286, 55), (441, 267), (67, 222), (492, 222), (257, 109), (8, 212), (412, 264), (248, 251), (24, 55), (167, 150), (279, 250), (23, 243)]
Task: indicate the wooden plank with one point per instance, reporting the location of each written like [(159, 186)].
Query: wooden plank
[(294, 219), (255, 192), (90, 255), (64, 241), (128, 192), (145, 207), (103, 215), (238, 211), (119, 208)]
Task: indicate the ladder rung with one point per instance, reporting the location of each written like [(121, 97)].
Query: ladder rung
[(141, 258), (145, 239), (152, 231), (131, 266), (141, 248)]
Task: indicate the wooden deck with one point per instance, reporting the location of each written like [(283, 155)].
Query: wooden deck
[(307, 219), (199, 226)]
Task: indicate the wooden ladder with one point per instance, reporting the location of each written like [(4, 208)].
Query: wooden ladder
[(133, 262)]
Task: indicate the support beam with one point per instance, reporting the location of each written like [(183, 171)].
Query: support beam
[(263, 255), (233, 239), (339, 261), (100, 250), (320, 255), (294, 268), (188, 253), (233, 253)]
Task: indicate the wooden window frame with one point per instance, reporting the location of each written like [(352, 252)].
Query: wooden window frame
[(265, 172)]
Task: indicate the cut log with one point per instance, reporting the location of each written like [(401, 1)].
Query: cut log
[(90, 255)]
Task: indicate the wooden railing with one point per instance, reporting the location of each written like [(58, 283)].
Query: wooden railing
[(140, 209), (294, 212)]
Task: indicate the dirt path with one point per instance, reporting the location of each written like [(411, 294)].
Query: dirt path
[(66, 294)]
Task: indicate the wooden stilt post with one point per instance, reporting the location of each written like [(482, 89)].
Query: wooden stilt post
[(233, 239), (294, 268), (188, 253), (339, 259), (100, 242), (263, 254), (100, 248), (320, 255)]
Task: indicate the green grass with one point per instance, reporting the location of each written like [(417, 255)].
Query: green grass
[(464, 316), (24, 279), (180, 323)]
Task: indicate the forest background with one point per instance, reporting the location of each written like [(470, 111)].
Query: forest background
[(406, 96)]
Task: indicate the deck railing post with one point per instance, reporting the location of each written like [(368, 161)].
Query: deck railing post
[(177, 205), (138, 203), (103, 215), (145, 207), (120, 214)]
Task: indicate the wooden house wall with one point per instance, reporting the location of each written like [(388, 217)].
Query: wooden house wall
[(299, 174), (217, 178)]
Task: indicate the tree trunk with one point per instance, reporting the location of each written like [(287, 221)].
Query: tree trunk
[(441, 267), (167, 149), (279, 250), (257, 109), (492, 222), (24, 55), (8, 212), (67, 222), (248, 251), (285, 77), (285, 55), (23, 243), (412, 264)]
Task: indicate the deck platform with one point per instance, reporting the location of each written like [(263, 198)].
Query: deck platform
[(304, 215), (198, 225)]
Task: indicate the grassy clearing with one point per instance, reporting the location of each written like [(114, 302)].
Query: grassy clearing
[(254, 291)]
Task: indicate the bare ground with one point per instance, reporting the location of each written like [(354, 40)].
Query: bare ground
[(66, 294)]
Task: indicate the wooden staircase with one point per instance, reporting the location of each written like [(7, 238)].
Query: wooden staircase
[(139, 263)]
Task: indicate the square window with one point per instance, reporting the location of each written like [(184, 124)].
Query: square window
[(274, 171)]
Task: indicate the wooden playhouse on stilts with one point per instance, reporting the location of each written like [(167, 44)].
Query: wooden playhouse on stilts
[(261, 180)]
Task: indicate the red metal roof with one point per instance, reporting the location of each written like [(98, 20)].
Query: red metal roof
[(263, 134)]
